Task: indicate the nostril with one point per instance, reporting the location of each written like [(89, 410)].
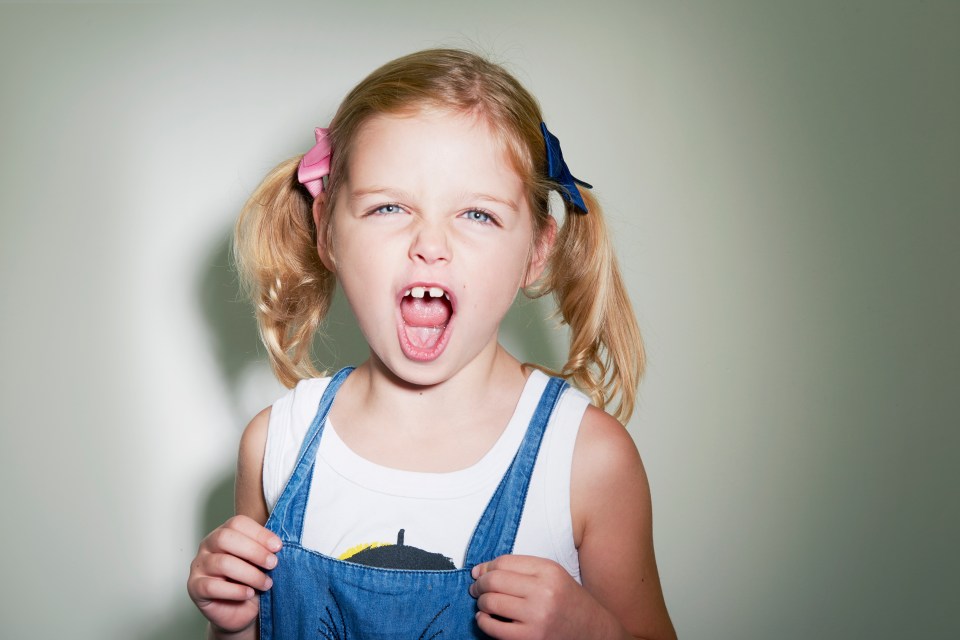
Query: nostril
[(430, 245)]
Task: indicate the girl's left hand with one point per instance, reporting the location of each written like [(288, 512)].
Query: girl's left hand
[(538, 599)]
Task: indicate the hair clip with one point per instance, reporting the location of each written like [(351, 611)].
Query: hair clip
[(558, 171), (315, 164)]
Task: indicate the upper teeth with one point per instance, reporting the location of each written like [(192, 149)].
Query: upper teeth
[(419, 292)]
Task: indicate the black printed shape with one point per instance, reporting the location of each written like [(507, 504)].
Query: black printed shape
[(400, 556)]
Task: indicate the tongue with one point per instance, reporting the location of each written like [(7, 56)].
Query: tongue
[(424, 312)]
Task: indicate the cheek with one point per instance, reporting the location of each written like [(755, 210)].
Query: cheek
[(343, 247), (501, 280)]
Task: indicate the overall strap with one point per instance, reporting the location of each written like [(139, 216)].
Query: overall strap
[(287, 517), (497, 529)]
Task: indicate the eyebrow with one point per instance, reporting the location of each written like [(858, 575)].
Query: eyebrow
[(486, 196), (396, 194), (399, 194)]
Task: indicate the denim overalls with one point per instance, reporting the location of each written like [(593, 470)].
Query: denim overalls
[(317, 596)]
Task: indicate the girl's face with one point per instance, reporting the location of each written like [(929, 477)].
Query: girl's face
[(431, 238)]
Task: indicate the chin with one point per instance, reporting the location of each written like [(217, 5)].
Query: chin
[(417, 372)]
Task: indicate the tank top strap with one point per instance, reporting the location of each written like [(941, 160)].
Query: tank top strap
[(497, 529), (286, 520)]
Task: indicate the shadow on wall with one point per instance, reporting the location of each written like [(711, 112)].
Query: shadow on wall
[(525, 331)]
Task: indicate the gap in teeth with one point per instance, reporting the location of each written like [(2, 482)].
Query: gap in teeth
[(420, 292)]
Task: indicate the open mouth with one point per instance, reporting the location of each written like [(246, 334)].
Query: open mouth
[(425, 312)]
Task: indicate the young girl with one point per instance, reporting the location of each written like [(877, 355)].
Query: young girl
[(441, 487)]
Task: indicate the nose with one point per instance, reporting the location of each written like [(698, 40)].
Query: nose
[(430, 244)]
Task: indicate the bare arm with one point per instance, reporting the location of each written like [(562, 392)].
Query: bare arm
[(226, 573), (610, 503), (248, 495), (524, 597)]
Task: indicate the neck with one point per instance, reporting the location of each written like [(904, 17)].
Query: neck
[(490, 385)]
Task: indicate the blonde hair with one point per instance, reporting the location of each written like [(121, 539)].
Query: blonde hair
[(276, 240)]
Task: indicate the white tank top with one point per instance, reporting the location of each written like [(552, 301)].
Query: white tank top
[(356, 504)]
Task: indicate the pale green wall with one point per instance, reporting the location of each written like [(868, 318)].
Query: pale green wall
[(782, 182)]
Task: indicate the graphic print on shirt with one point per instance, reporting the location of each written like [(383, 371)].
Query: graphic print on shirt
[(397, 556)]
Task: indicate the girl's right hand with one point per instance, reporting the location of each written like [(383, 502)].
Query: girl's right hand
[(225, 575)]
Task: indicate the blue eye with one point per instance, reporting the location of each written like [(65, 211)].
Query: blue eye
[(478, 216), (388, 209)]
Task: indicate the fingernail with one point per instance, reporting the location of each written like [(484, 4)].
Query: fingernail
[(267, 584), (271, 562), (475, 572), (275, 544)]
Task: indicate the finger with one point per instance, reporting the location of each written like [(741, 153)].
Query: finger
[(233, 568), (238, 543), (506, 582), (503, 605), (530, 565), (220, 589), (479, 570), (253, 529), (500, 629)]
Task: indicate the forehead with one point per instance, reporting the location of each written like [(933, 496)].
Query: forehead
[(436, 151)]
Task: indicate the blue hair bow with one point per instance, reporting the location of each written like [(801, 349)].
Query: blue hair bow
[(558, 171)]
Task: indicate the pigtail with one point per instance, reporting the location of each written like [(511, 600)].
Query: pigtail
[(275, 249), (606, 357)]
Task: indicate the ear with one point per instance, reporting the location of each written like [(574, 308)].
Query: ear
[(541, 252), (323, 227)]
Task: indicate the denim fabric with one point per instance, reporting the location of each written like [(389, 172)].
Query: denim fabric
[(317, 596)]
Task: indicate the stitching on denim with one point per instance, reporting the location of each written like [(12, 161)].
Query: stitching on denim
[(329, 629), (432, 620)]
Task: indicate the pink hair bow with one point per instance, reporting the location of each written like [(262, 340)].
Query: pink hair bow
[(315, 164)]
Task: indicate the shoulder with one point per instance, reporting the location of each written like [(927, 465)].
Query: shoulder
[(604, 448), (273, 431), (285, 422), (254, 439), (282, 414), (249, 489), (607, 473)]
